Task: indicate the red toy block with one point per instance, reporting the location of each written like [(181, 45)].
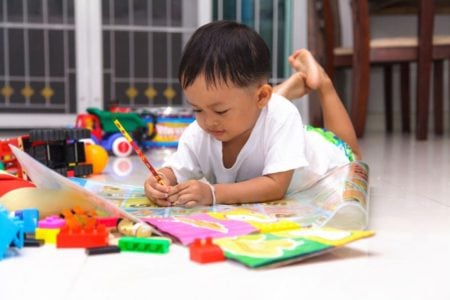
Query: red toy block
[(204, 251), (108, 221), (82, 237)]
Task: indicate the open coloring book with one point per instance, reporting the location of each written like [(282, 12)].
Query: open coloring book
[(339, 200), (256, 235)]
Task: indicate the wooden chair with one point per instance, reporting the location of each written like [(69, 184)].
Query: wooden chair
[(381, 52)]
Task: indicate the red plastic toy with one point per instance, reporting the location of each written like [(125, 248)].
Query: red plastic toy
[(60, 149), (109, 222), (7, 158), (105, 133), (81, 230), (204, 251), (9, 182), (82, 237)]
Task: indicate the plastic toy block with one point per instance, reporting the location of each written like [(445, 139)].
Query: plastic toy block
[(204, 251), (11, 232), (47, 234), (78, 218), (33, 242), (52, 222), (66, 213), (108, 221), (102, 250), (82, 237), (30, 217), (144, 245)]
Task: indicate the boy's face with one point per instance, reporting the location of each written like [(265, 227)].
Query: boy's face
[(227, 113)]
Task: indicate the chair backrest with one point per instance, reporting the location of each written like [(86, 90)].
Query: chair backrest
[(326, 30)]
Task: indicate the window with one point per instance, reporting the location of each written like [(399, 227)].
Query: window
[(271, 19), (142, 44), (37, 69), (58, 57)]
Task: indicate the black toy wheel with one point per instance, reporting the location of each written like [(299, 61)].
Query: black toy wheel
[(78, 133), (47, 135), (59, 134)]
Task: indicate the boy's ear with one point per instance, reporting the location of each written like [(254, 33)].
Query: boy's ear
[(264, 93)]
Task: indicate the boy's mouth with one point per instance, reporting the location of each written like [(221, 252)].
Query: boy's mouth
[(217, 133)]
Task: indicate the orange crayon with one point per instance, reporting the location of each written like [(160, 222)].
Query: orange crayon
[(138, 151)]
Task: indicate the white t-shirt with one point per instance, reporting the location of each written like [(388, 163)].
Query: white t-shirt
[(278, 142)]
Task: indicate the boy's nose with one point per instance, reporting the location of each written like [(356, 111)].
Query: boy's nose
[(211, 122)]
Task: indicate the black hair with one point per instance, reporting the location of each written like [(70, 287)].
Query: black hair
[(225, 51)]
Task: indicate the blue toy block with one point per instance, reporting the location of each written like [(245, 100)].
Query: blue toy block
[(11, 233), (30, 218)]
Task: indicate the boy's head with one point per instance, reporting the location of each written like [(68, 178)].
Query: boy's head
[(225, 52)]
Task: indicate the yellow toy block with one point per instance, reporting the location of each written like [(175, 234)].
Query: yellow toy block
[(47, 234)]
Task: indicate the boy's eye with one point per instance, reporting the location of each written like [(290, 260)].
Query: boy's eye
[(221, 112), (196, 111)]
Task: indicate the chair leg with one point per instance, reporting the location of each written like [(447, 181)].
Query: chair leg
[(360, 65), (426, 18), (405, 97), (388, 97), (438, 109)]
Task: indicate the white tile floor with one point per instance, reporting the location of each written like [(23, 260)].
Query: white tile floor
[(409, 258)]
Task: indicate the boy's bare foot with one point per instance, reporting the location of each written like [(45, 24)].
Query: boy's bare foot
[(292, 88), (309, 76), (304, 63)]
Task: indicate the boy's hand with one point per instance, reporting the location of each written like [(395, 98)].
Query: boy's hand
[(156, 191), (191, 193)]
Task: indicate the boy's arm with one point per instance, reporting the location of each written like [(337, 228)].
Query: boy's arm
[(263, 188)]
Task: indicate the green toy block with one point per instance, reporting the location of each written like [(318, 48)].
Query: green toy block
[(144, 245)]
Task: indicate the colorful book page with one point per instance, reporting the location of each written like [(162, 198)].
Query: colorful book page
[(259, 250), (339, 199), (188, 228), (285, 247), (262, 222), (328, 236)]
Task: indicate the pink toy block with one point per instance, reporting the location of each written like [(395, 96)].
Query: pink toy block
[(52, 222)]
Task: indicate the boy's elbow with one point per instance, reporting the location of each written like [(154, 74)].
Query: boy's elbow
[(280, 183), (280, 192)]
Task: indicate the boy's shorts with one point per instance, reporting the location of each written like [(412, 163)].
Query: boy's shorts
[(333, 139)]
